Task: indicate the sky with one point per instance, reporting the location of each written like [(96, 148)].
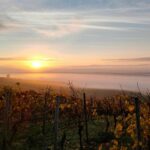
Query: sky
[(83, 33)]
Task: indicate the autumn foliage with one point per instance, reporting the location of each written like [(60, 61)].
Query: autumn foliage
[(21, 109)]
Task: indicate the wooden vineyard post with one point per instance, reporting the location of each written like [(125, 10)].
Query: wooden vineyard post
[(138, 127), (45, 111), (85, 118), (46, 96), (7, 119), (80, 127), (91, 107), (56, 122)]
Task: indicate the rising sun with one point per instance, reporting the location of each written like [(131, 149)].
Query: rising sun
[(36, 64)]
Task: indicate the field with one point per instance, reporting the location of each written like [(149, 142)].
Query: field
[(39, 117), (58, 87)]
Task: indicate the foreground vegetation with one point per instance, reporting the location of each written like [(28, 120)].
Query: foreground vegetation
[(31, 120)]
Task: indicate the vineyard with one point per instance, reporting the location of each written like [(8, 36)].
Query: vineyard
[(31, 120)]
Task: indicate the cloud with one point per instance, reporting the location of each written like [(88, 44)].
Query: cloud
[(8, 24), (24, 59), (30, 5), (75, 26), (60, 29), (140, 59), (59, 24), (3, 23), (42, 17), (1, 26)]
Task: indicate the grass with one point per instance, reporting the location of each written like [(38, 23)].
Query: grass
[(34, 139)]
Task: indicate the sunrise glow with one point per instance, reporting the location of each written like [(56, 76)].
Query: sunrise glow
[(36, 64)]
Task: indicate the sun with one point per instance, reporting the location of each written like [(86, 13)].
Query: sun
[(36, 64)]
